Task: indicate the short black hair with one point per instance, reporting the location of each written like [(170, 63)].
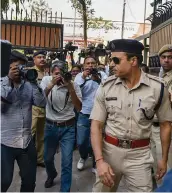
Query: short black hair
[(89, 57), (76, 66), (138, 56)]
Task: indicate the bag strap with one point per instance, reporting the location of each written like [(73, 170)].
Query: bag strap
[(82, 85)]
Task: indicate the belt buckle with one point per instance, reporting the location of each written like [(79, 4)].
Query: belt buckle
[(123, 143)]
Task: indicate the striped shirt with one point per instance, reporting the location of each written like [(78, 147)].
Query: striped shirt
[(16, 112)]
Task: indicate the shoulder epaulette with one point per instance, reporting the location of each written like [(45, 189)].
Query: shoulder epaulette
[(156, 78), (109, 79)]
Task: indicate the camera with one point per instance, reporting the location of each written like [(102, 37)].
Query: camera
[(94, 71), (69, 47), (67, 76), (28, 74)]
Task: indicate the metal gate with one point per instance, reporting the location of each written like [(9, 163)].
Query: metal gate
[(33, 31)]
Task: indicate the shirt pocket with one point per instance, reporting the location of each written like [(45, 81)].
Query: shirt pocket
[(145, 112), (114, 108)]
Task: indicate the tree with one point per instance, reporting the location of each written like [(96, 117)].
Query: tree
[(38, 8), (84, 8), (5, 4)]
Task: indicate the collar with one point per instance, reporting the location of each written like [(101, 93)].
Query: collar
[(143, 80), (169, 73)]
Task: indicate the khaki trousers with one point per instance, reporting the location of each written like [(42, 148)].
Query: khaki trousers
[(157, 148), (134, 165), (38, 124)]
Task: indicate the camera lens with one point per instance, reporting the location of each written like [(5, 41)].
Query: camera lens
[(31, 75)]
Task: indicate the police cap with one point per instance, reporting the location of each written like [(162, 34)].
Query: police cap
[(15, 55), (165, 48), (42, 52), (126, 45)]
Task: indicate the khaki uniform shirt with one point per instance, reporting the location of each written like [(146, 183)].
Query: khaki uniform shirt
[(37, 111), (167, 77), (120, 107)]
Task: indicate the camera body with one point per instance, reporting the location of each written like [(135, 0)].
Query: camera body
[(67, 76), (94, 71), (27, 74)]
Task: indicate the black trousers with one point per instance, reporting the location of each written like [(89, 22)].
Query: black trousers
[(27, 162)]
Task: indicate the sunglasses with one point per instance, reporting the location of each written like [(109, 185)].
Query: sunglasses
[(116, 60)]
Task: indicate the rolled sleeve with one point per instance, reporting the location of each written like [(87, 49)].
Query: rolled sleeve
[(164, 113), (78, 79), (39, 98), (6, 89), (45, 81), (99, 112)]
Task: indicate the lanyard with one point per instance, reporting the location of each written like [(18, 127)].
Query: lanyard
[(66, 101)]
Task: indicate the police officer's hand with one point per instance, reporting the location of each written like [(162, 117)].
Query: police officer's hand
[(105, 173), (14, 73), (161, 170)]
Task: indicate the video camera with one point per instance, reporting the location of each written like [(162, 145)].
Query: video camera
[(93, 51), (70, 47), (28, 74)]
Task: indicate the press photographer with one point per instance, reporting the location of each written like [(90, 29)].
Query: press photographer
[(17, 97), (62, 97), (89, 81)]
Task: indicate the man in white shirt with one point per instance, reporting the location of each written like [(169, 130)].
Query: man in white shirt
[(62, 97)]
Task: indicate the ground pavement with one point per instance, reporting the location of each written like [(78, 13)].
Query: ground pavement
[(81, 181)]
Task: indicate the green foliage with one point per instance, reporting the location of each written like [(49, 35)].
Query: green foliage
[(78, 6), (99, 23), (5, 4), (92, 22), (39, 6)]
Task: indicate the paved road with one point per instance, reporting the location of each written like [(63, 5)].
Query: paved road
[(82, 181)]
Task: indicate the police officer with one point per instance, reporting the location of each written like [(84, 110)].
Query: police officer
[(125, 104), (38, 114), (165, 56)]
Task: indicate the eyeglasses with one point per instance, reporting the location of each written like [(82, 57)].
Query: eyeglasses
[(116, 60)]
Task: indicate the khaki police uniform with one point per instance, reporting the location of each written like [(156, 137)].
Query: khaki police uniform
[(38, 124), (167, 77), (155, 139), (120, 109)]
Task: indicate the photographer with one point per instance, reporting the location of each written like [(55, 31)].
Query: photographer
[(62, 97), (88, 81), (17, 97)]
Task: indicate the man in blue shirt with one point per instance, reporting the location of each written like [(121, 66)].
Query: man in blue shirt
[(17, 98), (88, 81)]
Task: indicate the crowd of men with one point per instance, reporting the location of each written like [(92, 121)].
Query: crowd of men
[(118, 117)]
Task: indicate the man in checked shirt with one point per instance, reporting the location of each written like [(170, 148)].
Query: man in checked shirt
[(17, 98)]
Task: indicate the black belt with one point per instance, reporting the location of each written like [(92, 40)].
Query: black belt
[(65, 123)]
